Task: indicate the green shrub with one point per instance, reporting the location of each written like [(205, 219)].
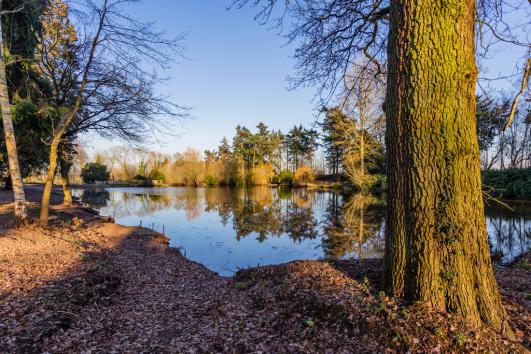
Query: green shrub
[(514, 183), (94, 171), (211, 181), (285, 177), (156, 175)]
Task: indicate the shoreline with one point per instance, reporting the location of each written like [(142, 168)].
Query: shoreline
[(57, 190), (341, 188), (128, 290)]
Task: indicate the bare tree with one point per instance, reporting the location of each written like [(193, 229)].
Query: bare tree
[(332, 36), (100, 82), (363, 100)]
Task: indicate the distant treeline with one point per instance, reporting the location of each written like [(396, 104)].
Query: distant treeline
[(345, 148), (261, 157)]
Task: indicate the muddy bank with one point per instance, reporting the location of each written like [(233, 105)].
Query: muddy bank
[(87, 285)]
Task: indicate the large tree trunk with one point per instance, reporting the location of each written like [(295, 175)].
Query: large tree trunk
[(431, 107), (395, 242), (21, 212), (48, 186)]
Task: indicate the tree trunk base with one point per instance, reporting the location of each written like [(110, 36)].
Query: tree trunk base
[(21, 217)]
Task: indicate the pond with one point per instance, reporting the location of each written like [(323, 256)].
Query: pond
[(228, 229)]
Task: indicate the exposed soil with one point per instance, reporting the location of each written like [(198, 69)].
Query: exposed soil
[(88, 285)]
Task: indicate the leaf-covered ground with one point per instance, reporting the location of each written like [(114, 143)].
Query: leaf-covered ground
[(93, 286)]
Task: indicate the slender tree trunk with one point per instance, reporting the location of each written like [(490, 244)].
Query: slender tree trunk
[(48, 186), (67, 192), (432, 94), (21, 212), (64, 167)]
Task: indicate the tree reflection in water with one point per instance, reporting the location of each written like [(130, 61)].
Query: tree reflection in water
[(344, 226), (354, 225), (96, 199), (509, 230)]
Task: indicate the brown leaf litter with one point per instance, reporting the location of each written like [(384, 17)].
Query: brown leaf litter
[(99, 287)]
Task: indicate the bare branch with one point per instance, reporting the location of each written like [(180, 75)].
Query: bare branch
[(517, 97)]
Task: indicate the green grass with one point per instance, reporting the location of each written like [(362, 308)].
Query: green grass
[(241, 286)]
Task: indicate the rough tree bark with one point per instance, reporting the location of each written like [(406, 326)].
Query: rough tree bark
[(395, 242), (21, 212), (434, 167)]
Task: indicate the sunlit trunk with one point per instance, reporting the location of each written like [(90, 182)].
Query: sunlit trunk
[(48, 186), (67, 192), (21, 212), (64, 168)]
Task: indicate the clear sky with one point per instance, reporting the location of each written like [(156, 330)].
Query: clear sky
[(235, 73)]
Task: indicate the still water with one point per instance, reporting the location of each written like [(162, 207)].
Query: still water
[(228, 229)]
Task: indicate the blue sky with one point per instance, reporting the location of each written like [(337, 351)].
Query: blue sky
[(235, 73)]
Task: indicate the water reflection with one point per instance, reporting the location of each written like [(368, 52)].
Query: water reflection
[(350, 227), (227, 229), (97, 199), (509, 230)]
